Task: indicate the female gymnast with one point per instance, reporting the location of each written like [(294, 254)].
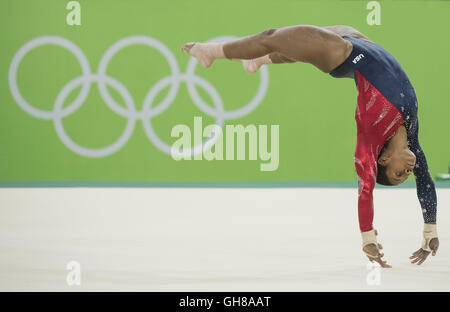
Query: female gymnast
[(387, 148)]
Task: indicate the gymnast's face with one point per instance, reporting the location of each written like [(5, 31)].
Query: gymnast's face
[(399, 165)]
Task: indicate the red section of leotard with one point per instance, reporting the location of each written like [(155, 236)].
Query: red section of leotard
[(377, 119)]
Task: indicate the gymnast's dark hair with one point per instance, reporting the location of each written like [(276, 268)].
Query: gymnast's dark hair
[(382, 178)]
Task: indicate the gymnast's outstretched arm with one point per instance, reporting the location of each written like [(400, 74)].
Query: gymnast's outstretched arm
[(321, 47)]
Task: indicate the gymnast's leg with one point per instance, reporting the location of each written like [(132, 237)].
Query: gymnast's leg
[(310, 44)]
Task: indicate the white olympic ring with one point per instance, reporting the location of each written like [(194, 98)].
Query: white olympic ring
[(148, 111)]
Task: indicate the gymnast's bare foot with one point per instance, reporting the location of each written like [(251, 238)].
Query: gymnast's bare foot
[(251, 66), (205, 53)]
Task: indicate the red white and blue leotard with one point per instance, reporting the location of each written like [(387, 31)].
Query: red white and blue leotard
[(386, 100)]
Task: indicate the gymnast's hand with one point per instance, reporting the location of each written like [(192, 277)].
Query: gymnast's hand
[(430, 244), (421, 255), (373, 253)]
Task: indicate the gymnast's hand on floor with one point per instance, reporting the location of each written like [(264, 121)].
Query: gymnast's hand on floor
[(421, 255), (374, 254)]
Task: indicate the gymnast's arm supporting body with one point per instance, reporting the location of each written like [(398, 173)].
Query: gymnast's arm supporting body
[(426, 191)]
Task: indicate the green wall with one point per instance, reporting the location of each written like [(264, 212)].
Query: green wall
[(315, 112)]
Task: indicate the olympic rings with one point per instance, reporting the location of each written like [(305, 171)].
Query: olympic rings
[(149, 109)]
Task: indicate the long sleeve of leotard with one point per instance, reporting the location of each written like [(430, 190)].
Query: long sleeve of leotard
[(426, 191), (366, 169)]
